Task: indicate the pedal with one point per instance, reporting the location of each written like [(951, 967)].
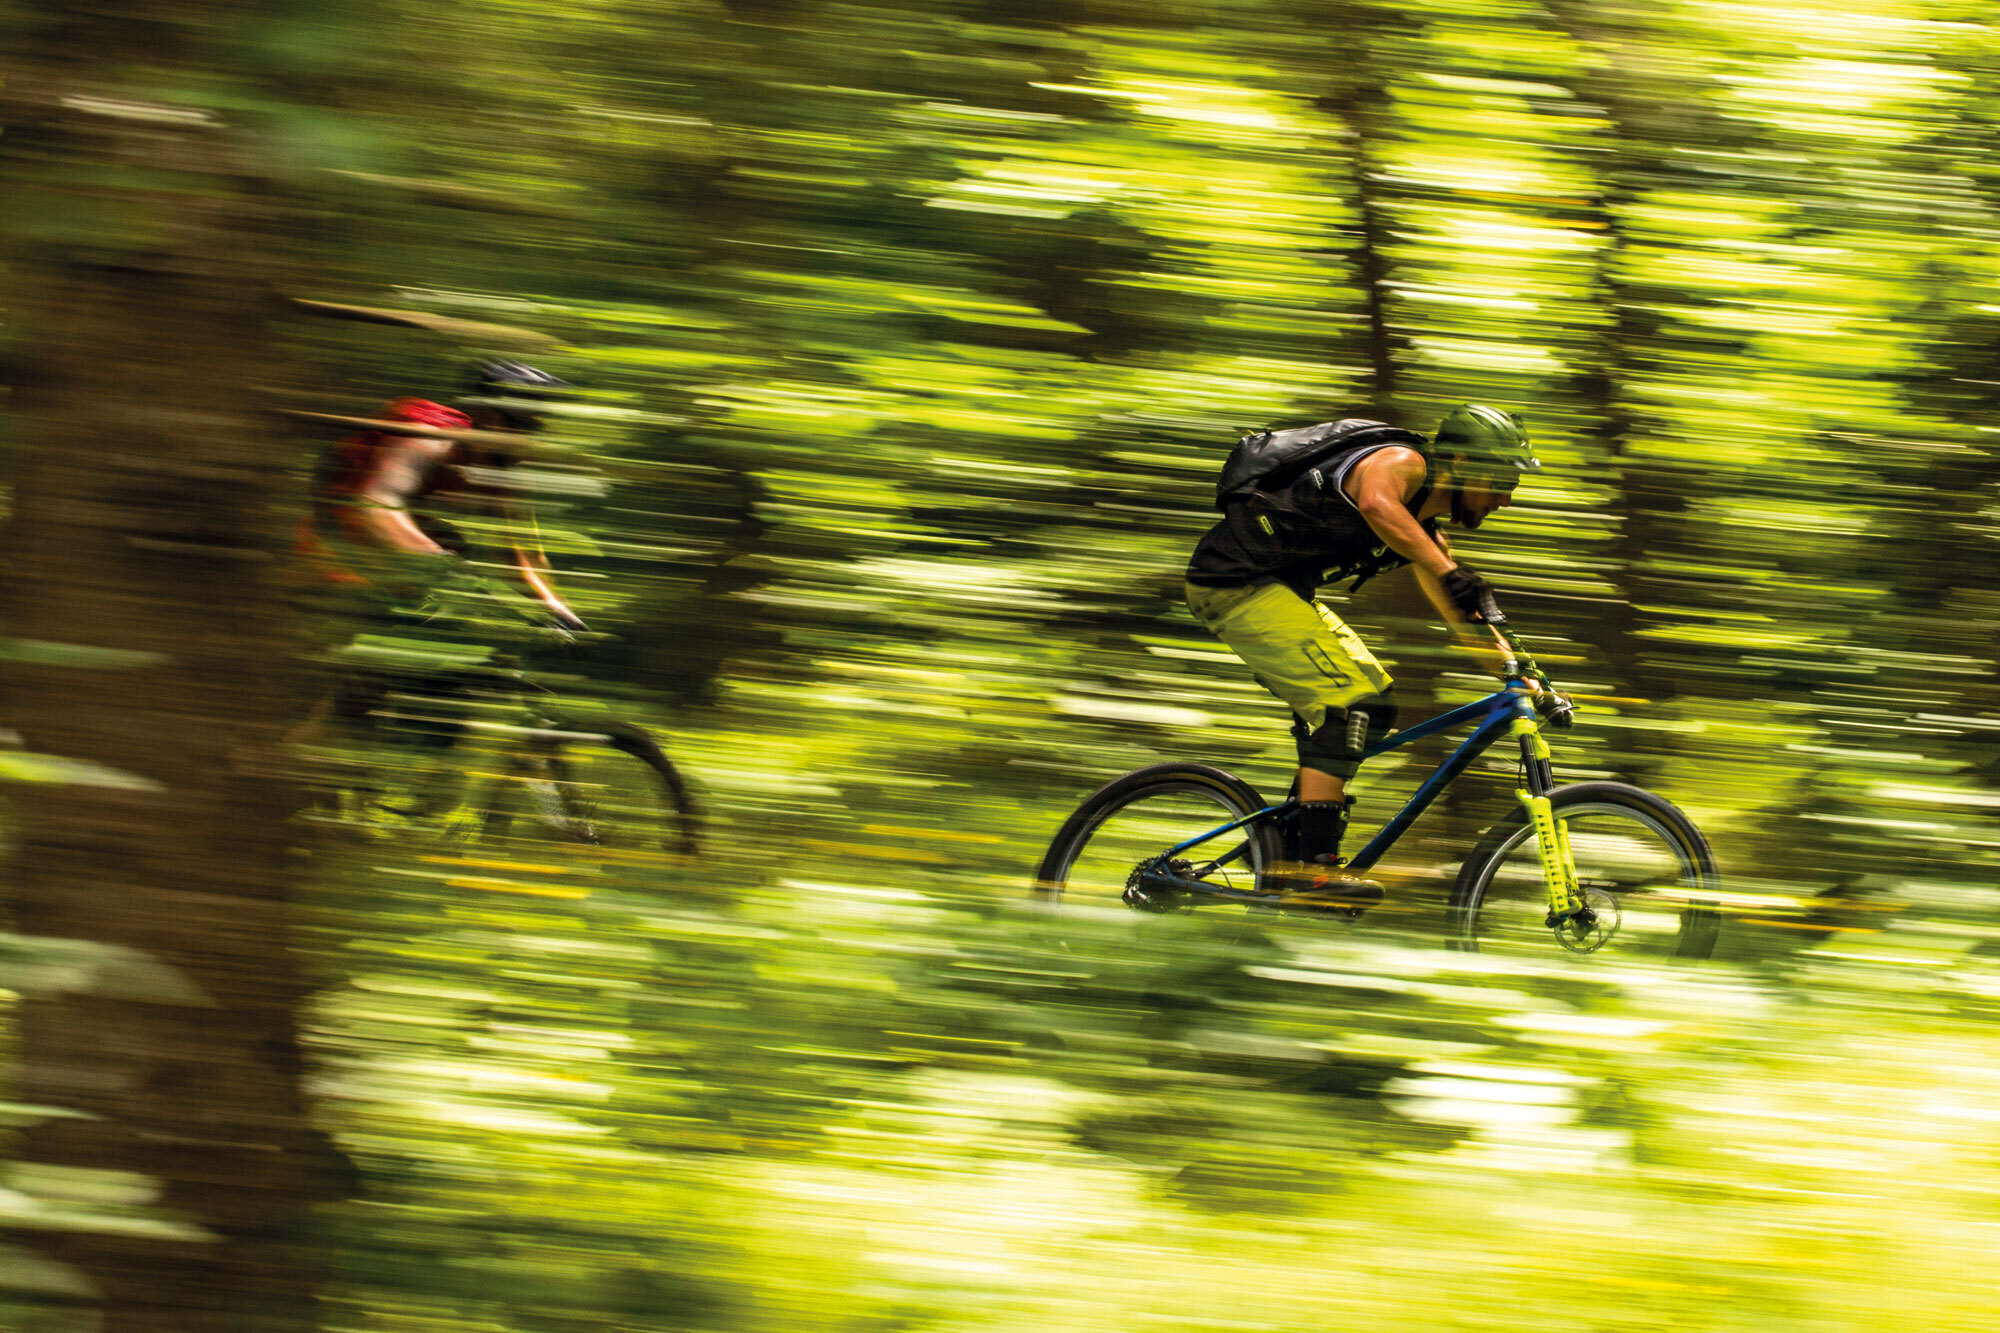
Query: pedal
[(1347, 908), (1320, 890)]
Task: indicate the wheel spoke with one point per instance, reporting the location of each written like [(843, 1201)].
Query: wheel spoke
[(1650, 885)]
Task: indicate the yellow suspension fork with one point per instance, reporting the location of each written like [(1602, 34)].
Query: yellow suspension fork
[(1551, 834)]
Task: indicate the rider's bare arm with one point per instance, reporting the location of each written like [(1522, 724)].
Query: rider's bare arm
[(1382, 486), (382, 508), (1478, 640), (529, 566)]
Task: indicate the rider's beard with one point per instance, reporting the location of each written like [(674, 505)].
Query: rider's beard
[(1460, 514)]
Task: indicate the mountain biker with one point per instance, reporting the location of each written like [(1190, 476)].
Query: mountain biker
[(1360, 510), (381, 559), (381, 502)]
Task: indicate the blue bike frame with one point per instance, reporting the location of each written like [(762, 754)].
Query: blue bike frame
[(1496, 714)]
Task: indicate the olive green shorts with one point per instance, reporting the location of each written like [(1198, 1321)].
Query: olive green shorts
[(1299, 651)]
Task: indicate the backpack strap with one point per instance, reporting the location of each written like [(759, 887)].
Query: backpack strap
[(1337, 478)]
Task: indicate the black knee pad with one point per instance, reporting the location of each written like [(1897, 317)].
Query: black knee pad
[(1336, 745)]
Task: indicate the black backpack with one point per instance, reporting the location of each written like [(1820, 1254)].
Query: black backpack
[(1273, 459)]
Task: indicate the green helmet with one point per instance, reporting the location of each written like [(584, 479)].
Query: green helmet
[(1494, 444)]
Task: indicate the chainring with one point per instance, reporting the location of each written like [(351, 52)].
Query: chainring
[(1149, 887)]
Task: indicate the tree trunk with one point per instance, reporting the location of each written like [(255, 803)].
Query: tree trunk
[(144, 475), (1646, 128), (1363, 105), (1368, 116)]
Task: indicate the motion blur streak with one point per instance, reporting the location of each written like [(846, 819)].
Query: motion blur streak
[(909, 339)]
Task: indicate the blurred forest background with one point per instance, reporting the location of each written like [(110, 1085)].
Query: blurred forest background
[(911, 338)]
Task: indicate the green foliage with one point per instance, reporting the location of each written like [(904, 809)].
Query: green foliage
[(911, 338)]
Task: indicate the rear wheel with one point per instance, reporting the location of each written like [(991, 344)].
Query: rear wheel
[(1134, 820), (1643, 867)]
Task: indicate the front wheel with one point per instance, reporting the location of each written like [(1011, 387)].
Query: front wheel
[(1641, 864), (599, 783), (1134, 820)]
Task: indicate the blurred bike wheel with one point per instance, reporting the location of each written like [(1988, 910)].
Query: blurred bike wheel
[(599, 784), (1134, 819), (1641, 864)]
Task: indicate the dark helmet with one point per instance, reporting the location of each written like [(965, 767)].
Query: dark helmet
[(501, 378), (516, 390), (1493, 444)]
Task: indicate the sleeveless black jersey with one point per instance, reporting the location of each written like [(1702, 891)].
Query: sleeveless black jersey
[(1301, 535)]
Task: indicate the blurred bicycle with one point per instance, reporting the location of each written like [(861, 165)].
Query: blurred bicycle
[(482, 751), (423, 573), (1584, 866)]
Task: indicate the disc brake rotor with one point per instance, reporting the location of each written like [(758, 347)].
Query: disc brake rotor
[(1588, 934)]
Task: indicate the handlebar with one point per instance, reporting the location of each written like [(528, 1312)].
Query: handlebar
[(1519, 663), (1554, 706)]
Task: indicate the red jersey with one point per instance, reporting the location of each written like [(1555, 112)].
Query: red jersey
[(345, 473)]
